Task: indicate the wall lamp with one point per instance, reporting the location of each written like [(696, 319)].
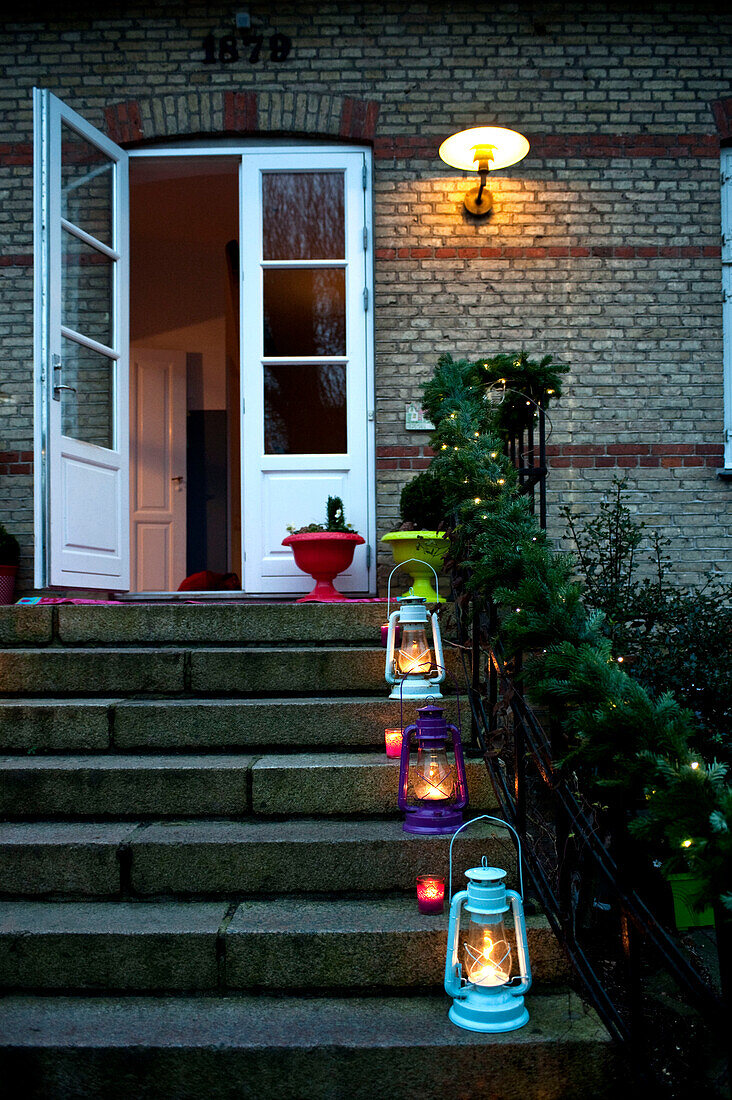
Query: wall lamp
[(483, 149)]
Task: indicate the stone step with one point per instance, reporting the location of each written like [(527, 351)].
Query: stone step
[(128, 786), (124, 786), (193, 624), (232, 859), (263, 671), (286, 1048), (343, 783), (89, 725), (283, 943)]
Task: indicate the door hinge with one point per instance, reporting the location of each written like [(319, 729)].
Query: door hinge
[(724, 178), (366, 298), (364, 176), (365, 238), (243, 406), (368, 556)]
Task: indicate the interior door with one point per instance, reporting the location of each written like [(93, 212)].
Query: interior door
[(158, 469), (305, 358), (81, 352)]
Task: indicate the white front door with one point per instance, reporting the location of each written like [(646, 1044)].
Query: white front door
[(158, 469), (307, 419), (81, 368)]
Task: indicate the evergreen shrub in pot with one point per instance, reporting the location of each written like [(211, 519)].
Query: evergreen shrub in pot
[(422, 511)]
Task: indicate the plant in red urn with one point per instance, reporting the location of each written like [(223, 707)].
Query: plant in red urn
[(324, 551)]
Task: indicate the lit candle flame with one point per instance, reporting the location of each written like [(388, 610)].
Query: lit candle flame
[(492, 964), (413, 661)]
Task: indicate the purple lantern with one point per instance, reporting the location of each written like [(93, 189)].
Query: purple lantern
[(433, 792)]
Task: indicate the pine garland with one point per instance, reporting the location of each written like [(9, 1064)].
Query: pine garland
[(618, 736)]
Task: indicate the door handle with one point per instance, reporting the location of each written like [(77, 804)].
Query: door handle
[(57, 387), (176, 479)]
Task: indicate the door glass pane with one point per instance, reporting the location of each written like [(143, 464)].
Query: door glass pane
[(86, 290), (87, 413), (304, 311), (305, 408), (86, 185), (302, 216)]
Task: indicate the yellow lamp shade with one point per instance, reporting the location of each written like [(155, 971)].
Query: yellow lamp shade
[(484, 147)]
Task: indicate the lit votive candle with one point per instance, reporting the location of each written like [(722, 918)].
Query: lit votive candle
[(430, 893), (393, 741)]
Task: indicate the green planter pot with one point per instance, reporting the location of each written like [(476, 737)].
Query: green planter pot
[(685, 889), (430, 548)]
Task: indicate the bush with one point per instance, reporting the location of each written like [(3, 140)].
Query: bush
[(9, 548), (422, 502)]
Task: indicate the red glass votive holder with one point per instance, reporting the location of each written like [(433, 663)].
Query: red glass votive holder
[(430, 893), (393, 741)]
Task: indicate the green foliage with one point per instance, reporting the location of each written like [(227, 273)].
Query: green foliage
[(422, 502), (502, 390), (688, 820), (673, 638), (335, 520), (9, 548)]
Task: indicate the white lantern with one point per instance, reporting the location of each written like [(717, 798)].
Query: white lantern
[(412, 667)]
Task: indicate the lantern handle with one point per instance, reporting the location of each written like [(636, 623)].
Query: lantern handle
[(497, 821), (401, 563), (450, 673)]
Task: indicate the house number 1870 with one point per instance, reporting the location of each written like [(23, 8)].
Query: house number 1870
[(226, 49)]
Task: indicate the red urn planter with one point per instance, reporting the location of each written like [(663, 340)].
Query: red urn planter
[(323, 554)]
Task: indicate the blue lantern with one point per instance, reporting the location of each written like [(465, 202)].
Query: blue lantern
[(487, 988)]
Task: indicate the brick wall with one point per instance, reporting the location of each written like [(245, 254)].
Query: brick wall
[(603, 247)]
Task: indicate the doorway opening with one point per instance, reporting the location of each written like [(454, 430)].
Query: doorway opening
[(185, 503)]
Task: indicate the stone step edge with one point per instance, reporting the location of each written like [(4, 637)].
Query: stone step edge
[(222, 1021), (176, 946)]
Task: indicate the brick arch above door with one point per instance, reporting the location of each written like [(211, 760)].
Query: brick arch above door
[(222, 113)]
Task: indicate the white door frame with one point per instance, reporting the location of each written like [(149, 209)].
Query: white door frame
[(304, 480), (283, 149)]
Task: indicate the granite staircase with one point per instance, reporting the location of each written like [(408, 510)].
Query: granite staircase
[(205, 890)]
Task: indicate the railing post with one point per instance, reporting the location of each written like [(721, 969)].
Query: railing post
[(492, 670), (475, 672), (543, 469)]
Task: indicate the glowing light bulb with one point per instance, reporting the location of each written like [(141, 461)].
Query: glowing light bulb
[(501, 481), (686, 843), (478, 500), (694, 765)]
